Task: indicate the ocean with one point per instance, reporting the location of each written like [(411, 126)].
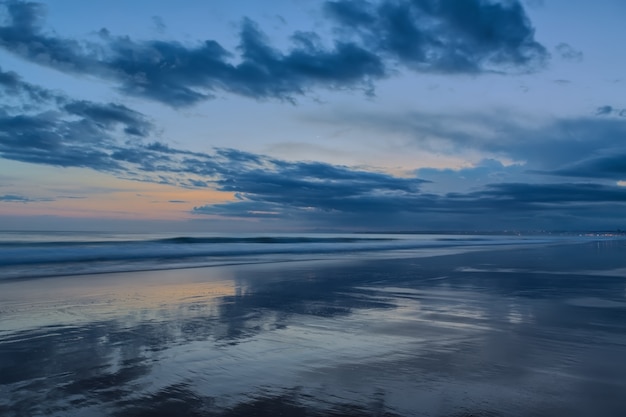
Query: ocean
[(38, 254), (128, 325)]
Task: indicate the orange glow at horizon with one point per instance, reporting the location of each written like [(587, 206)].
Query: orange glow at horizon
[(153, 202), (81, 193)]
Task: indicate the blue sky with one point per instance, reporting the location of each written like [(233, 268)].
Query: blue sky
[(343, 115)]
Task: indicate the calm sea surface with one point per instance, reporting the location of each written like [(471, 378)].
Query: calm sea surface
[(315, 325)]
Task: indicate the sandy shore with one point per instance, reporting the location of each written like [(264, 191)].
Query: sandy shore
[(513, 332)]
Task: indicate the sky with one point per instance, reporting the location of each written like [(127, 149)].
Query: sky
[(302, 115)]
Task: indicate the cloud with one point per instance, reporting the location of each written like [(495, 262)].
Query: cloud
[(495, 206), (321, 194), (159, 25), (610, 110), (52, 129), (539, 144), (110, 137), (541, 196), (108, 115), (22, 36), (47, 139), (481, 174), (285, 189), (10, 82), (609, 166), (21, 94), (14, 198), (568, 53), (444, 35), (115, 139), (558, 142), (431, 36), (180, 75)]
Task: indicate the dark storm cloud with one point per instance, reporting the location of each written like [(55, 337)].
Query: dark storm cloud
[(428, 35), (444, 35)]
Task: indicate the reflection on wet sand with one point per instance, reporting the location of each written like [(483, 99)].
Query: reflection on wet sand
[(499, 332)]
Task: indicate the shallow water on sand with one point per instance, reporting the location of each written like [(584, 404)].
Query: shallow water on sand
[(539, 330)]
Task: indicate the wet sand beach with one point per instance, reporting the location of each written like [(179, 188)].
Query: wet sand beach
[(537, 330)]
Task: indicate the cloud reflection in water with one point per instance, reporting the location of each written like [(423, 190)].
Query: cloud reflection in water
[(483, 333)]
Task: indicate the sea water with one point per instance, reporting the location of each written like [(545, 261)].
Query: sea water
[(30, 254), (314, 325)]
